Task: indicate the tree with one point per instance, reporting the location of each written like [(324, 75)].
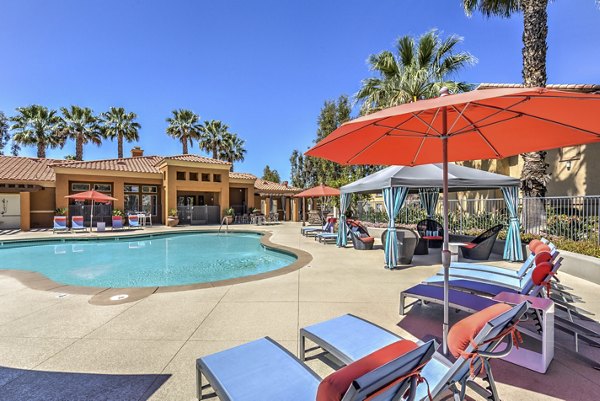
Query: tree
[(4, 135), (534, 177), (212, 137), (184, 126), (80, 124), (36, 126), (418, 71), (119, 124), (271, 175), (233, 149)]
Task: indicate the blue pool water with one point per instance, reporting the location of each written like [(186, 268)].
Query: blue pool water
[(175, 259)]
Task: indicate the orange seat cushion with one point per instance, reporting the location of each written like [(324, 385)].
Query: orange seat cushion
[(463, 332), (542, 257), (470, 245), (367, 239), (541, 272), (433, 237), (533, 244), (541, 248), (334, 386)]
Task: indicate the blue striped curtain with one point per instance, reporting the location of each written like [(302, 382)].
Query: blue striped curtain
[(342, 237), (393, 198), (513, 249), (429, 199)]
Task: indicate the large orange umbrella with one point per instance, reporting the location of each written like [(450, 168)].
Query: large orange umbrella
[(483, 124), (320, 191), (94, 196)]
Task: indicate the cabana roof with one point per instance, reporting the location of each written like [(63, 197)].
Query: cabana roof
[(460, 178)]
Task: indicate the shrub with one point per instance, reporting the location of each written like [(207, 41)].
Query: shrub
[(61, 211)]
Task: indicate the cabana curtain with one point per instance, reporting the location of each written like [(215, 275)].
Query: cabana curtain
[(429, 199), (513, 250), (342, 236), (393, 198)]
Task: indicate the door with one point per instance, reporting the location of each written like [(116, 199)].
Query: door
[(10, 211)]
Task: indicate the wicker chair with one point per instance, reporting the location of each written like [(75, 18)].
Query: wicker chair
[(481, 247), (361, 239), (431, 235), (407, 243)]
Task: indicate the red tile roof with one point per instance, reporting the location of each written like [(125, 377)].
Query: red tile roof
[(196, 159), (142, 164), (586, 88), (244, 176), (26, 169), (266, 187)]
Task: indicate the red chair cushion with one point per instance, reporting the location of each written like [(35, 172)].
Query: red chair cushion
[(433, 237), (367, 240), (541, 248), (542, 257), (463, 332), (334, 386), (541, 272), (533, 244), (470, 245), (60, 218)]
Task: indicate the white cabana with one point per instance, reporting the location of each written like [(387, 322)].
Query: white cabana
[(413, 179)]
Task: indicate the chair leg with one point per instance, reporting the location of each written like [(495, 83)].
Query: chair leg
[(198, 382), (402, 301), (302, 350)]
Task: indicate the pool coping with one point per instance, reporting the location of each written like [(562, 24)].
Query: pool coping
[(102, 295)]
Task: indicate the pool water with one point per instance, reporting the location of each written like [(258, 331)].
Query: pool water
[(174, 259)]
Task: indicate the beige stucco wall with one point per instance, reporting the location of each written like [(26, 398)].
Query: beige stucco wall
[(42, 206)]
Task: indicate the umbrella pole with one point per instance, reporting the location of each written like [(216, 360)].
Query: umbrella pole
[(92, 216), (445, 251), (303, 212)]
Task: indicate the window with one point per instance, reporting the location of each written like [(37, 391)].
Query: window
[(205, 177), (149, 204), (79, 187), (217, 177), (149, 189), (132, 203), (103, 187), (181, 175), (193, 176), (131, 188)]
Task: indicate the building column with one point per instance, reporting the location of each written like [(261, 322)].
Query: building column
[(295, 210), (25, 206), (267, 205), (287, 203)]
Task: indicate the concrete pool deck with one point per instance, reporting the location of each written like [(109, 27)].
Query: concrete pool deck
[(56, 346)]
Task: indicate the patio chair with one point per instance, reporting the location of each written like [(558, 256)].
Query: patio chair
[(407, 243), (133, 221), (431, 233), (310, 231), (480, 248), (473, 341), (60, 224), (360, 240), (264, 370), (77, 223), (117, 223)]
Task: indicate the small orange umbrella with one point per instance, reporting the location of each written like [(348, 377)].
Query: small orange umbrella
[(481, 124), (94, 196), (320, 191)]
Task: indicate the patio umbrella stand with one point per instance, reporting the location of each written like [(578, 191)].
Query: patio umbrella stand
[(94, 196)]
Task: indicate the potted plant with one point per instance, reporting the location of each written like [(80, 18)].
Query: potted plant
[(60, 211), (230, 214), (173, 218)]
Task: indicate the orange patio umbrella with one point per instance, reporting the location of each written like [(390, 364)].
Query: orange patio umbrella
[(94, 196), (320, 191), (481, 124)]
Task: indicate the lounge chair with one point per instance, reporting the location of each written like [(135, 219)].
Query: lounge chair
[(134, 221), (263, 370), (407, 243), (431, 233), (117, 223), (309, 231), (77, 223), (60, 224), (480, 248), (349, 338)]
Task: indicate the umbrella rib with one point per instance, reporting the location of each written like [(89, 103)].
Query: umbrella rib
[(521, 113), (476, 129), (475, 126), (409, 133), (414, 160)]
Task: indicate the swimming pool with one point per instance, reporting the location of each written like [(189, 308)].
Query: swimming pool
[(161, 260)]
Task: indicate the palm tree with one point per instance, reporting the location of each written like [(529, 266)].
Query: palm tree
[(233, 149), (212, 138), (184, 126), (80, 124), (36, 125), (117, 123), (418, 71)]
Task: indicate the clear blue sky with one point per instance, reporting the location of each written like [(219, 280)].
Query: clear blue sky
[(263, 67)]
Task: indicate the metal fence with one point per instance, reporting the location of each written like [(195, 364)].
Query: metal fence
[(199, 214), (571, 217), (101, 213)]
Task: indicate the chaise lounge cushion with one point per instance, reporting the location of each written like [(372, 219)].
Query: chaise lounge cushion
[(542, 257), (542, 248), (334, 386), (463, 332), (541, 272), (533, 244)]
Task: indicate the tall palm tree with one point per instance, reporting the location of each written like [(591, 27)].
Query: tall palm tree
[(233, 149), (80, 124), (418, 71), (212, 137), (117, 123), (184, 126), (36, 125)]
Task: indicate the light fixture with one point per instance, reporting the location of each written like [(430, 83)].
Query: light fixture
[(568, 165)]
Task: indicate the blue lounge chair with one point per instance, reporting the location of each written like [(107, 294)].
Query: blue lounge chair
[(263, 370), (60, 224), (117, 223), (349, 338), (77, 223), (310, 231), (134, 221), (326, 238)]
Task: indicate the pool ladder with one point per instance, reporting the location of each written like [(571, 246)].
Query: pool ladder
[(226, 222)]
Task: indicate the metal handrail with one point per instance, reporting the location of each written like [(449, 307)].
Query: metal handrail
[(226, 221)]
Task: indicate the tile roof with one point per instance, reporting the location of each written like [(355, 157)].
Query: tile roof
[(586, 88), (142, 164), (264, 186), (196, 158), (244, 176), (26, 169)]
